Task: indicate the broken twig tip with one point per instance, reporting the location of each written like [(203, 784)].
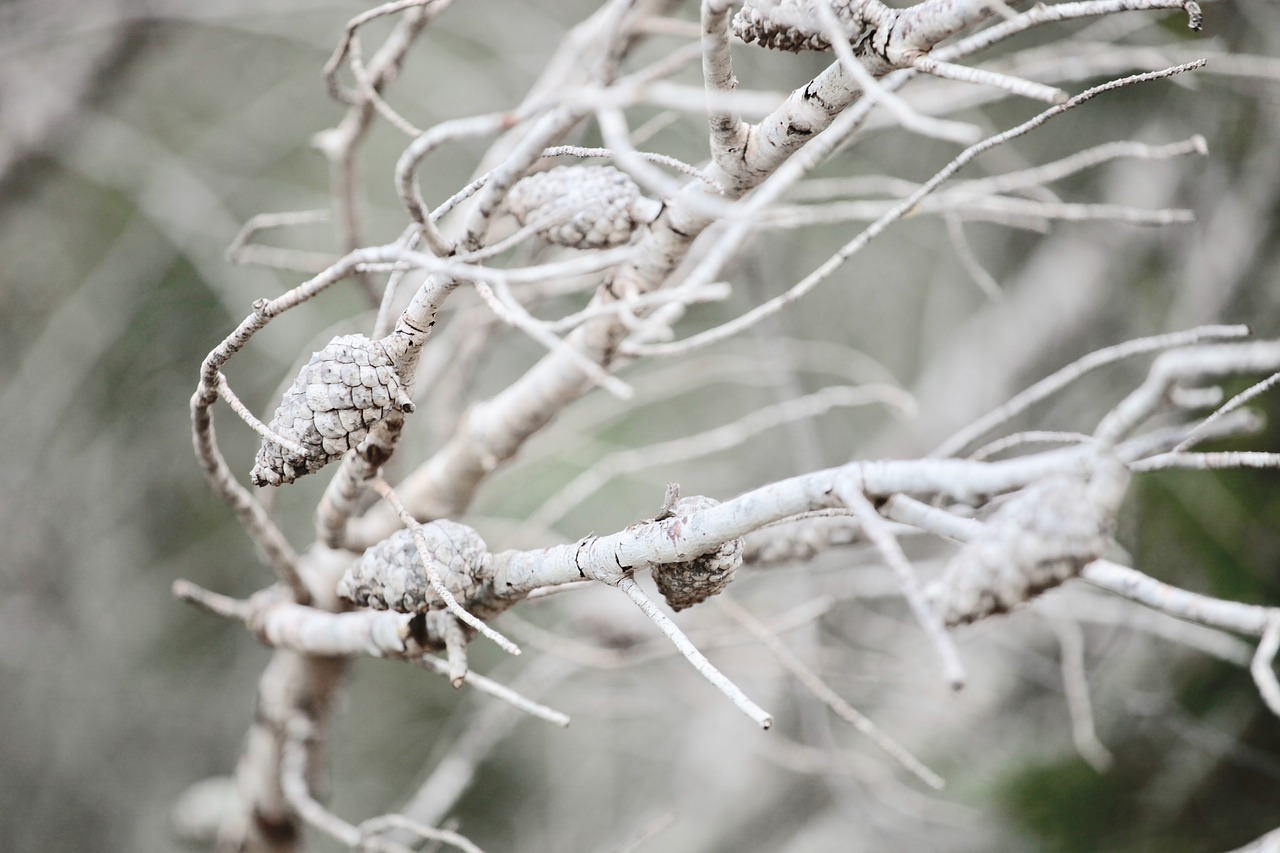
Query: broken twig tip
[(1195, 18)]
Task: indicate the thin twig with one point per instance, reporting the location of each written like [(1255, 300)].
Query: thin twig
[(964, 251), (849, 490), (1009, 211), (717, 439), (1042, 14), (651, 156), (1076, 686), (1263, 666), (1021, 439), (1047, 173), (1239, 423), (1227, 408), (1207, 461), (406, 171), (819, 688), (1194, 365), (486, 727), (383, 488), (1060, 379), (717, 291), (900, 210), (1184, 604), (982, 77), (221, 605), (455, 646), (369, 91), (388, 822), (511, 312), (240, 251), (224, 391), (335, 60), (386, 318), (699, 662), (498, 691), (279, 554)]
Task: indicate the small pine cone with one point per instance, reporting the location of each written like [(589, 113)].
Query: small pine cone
[(390, 575), (792, 25), (692, 582), (339, 395), (1039, 539), (582, 207)]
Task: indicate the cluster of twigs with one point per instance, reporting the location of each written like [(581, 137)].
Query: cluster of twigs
[(392, 574)]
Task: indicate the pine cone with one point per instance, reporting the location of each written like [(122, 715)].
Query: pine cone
[(686, 584), (792, 25), (582, 207), (1042, 537), (390, 575), (339, 395)]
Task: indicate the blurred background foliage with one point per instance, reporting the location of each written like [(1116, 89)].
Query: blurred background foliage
[(136, 137)]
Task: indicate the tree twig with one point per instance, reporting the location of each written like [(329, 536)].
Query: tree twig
[(699, 661)]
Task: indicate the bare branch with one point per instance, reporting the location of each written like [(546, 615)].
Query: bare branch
[(498, 691), (381, 825), (1204, 427), (1263, 666), (699, 661), (709, 267), (829, 697), (874, 527), (240, 251), (1186, 366), (1076, 685), (1060, 379), (1207, 461)]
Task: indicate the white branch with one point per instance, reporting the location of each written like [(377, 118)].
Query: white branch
[(819, 688), (1075, 684), (849, 489), (699, 661), (1060, 379), (498, 691), (1263, 666)]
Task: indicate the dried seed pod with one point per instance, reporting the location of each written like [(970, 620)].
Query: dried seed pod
[(1039, 539), (694, 581), (793, 25), (583, 207), (390, 575), (339, 395)]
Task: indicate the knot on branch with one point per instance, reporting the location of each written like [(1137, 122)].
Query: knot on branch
[(793, 25), (391, 575), (582, 207), (1040, 538), (340, 394), (693, 581)]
